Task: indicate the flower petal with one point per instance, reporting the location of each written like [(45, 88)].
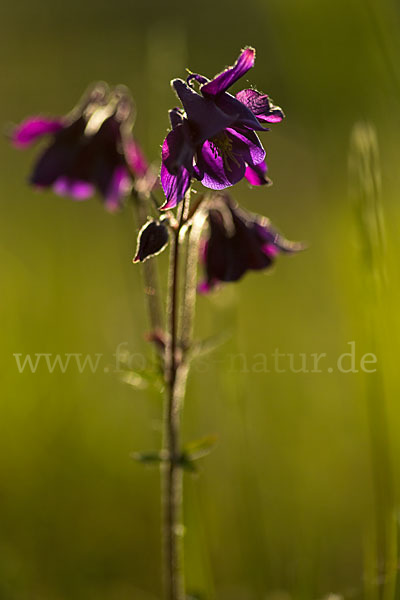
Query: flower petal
[(79, 190), (256, 174), (260, 105), (33, 128), (176, 169), (243, 115), (224, 80), (199, 78), (102, 162), (273, 242), (205, 287), (206, 119), (249, 248), (135, 157), (61, 157), (175, 186), (225, 255), (118, 188), (216, 170), (175, 116), (247, 144), (177, 148)]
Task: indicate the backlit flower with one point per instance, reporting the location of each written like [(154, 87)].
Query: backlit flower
[(213, 138), (238, 242), (91, 149)]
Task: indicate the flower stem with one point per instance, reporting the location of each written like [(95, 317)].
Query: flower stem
[(172, 475), (190, 283), (171, 471)]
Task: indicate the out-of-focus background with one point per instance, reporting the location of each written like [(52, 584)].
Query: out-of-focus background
[(297, 499)]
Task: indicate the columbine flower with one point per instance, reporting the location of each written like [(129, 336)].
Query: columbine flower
[(213, 139), (238, 242), (90, 149)]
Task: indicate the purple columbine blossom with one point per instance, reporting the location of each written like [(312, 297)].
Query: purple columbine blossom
[(238, 242), (90, 149), (214, 138)]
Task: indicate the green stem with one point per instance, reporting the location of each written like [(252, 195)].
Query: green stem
[(190, 291), (172, 476)]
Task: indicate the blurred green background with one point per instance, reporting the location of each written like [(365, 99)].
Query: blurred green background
[(287, 506)]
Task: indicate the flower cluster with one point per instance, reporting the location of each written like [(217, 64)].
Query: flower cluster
[(213, 139), (90, 149)]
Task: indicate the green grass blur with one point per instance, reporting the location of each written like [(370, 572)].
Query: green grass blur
[(285, 506)]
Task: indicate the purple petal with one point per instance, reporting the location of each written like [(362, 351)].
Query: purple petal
[(62, 157), (247, 145), (224, 80), (228, 249), (270, 250), (33, 128), (256, 174), (175, 186), (104, 164), (206, 119), (79, 190), (261, 106), (205, 287), (135, 158), (118, 188), (203, 250), (241, 113), (175, 117), (177, 149), (218, 170), (176, 169), (276, 115), (199, 78), (270, 237)]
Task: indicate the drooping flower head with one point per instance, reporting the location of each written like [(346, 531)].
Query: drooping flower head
[(213, 138), (90, 149), (238, 242)]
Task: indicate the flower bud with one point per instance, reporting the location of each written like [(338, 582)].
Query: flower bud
[(152, 239)]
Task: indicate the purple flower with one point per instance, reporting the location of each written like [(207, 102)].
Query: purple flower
[(238, 242), (90, 149), (214, 138)]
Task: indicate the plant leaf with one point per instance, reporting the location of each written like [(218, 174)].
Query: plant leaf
[(148, 458), (203, 347), (199, 448)]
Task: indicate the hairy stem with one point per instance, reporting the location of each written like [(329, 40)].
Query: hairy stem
[(172, 476), (189, 290)]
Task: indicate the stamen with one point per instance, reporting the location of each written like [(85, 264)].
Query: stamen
[(221, 146)]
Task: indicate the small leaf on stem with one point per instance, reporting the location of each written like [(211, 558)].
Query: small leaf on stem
[(199, 448), (148, 458)]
